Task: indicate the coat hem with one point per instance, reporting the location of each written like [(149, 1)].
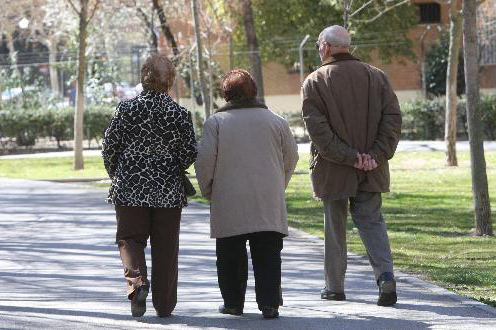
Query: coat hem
[(243, 232), (182, 205)]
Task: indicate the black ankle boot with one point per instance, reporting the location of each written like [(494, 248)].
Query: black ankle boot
[(270, 312), (230, 310)]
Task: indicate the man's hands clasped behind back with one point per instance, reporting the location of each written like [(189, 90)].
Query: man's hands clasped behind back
[(365, 162)]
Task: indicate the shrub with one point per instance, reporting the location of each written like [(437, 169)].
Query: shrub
[(436, 64), (61, 125), (96, 121), (424, 119), (26, 125), (488, 109)]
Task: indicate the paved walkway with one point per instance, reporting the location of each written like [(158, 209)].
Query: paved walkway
[(59, 269), (304, 147)]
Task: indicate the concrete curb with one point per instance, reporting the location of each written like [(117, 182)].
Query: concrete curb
[(75, 180)]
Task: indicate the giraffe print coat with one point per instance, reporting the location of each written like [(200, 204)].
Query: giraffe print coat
[(149, 143)]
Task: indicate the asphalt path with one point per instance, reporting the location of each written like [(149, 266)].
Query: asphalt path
[(60, 269)]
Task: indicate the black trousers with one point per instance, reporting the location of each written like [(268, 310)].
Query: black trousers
[(232, 268)]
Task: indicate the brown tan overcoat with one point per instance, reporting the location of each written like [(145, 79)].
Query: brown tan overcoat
[(349, 107), (246, 158)]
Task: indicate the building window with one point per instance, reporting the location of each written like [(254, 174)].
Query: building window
[(430, 12)]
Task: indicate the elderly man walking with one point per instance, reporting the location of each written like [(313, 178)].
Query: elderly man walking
[(354, 122)]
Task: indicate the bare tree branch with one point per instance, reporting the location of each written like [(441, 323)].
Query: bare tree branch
[(73, 6), (361, 8), (95, 7), (385, 10), (350, 4)]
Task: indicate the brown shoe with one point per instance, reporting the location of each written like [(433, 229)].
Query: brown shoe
[(138, 302)]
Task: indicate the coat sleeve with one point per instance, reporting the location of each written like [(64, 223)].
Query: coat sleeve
[(328, 144), (389, 130), (289, 152), (112, 146), (188, 152), (207, 157)]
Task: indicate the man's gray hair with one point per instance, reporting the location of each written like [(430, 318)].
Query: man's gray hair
[(336, 35)]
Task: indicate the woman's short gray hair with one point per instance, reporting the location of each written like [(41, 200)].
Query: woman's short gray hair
[(336, 35), (158, 73)]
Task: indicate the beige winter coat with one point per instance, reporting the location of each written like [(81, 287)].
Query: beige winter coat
[(245, 160)]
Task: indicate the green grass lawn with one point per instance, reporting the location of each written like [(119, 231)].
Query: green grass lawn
[(430, 222), (51, 168), (428, 212)]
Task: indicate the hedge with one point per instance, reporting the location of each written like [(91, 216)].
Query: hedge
[(26, 125), (422, 120)]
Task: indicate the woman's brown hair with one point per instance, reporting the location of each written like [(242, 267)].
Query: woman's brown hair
[(158, 73), (238, 85)]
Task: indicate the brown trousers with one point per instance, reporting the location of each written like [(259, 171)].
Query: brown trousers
[(134, 226)]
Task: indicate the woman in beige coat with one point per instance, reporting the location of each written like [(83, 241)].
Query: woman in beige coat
[(245, 161)]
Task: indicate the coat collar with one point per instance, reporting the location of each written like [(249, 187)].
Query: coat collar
[(241, 104), (339, 57), (148, 93)]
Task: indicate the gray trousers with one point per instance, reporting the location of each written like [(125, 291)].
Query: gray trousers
[(365, 209)]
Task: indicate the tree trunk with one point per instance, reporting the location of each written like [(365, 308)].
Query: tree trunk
[(210, 71), (52, 59), (346, 9), (251, 39), (78, 115), (165, 27), (13, 61), (199, 52), (451, 82), (1, 76), (231, 51), (483, 224)]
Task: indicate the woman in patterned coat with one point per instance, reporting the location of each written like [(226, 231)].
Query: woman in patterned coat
[(149, 144)]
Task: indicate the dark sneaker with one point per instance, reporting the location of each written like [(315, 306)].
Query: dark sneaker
[(328, 295), (138, 302), (387, 290), (228, 310), (270, 312)]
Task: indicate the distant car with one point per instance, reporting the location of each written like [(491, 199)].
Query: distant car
[(11, 93), (126, 91)]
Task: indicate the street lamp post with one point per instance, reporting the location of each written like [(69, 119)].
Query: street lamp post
[(300, 48)]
